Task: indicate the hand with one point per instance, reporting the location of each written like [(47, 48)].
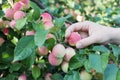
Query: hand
[(93, 33)]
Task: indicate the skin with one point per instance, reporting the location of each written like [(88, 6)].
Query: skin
[(94, 33)]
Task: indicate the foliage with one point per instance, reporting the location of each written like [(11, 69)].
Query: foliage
[(19, 54)]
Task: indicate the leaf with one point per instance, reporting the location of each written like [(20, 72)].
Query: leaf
[(87, 66), (117, 20), (49, 43), (72, 75), (98, 62), (38, 27), (30, 60), (100, 48), (36, 13), (110, 72), (76, 61), (15, 67), (59, 22), (36, 72), (10, 77), (56, 76), (3, 66), (54, 29), (118, 75), (40, 35), (20, 23), (24, 48), (116, 50), (1, 13)]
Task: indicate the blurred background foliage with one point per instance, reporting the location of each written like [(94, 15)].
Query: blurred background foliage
[(106, 12)]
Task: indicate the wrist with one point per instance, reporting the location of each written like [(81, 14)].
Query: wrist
[(115, 35)]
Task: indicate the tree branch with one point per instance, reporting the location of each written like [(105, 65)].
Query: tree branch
[(42, 7), (38, 3)]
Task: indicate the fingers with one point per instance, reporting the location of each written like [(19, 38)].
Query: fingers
[(83, 26), (86, 42), (83, 34)]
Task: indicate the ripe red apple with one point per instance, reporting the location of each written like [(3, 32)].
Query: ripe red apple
[(17, 6), (32, 32), (42, 51), (12, 23), (19, 15), (69, 53), (65, 66), (1, 23), (46, 17), (48, 25), (22, 77), (73, 38), (54, 61), (58, 51), (24, 2), (1, 41), (9, 13), (49, 35), (5, 31), (47, 76)]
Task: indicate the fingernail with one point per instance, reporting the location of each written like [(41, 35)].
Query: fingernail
[(78, 45)]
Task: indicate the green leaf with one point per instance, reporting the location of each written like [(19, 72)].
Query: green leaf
[(40, 35), (36, 13), (1, 13), (98, 62), (3, 66), (20, 23), (36, 72), (116, 50), (59, 22), (10, 77), (100, 48), (87, 66), (72, 75), (54, 29), (38, 27), (2, 78), (56, 76), (118, 75), (49, 43), (110, 72), (24, 48), (30, 60), (76, 61), (15, 67)]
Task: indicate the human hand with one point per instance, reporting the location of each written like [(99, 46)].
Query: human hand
[(92, 33)]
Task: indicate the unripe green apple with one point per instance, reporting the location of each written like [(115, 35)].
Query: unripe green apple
[(85, 75), (65, 66)]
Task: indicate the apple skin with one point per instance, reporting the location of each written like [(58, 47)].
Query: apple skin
[(85, 75), (58, 51), (69, 53)]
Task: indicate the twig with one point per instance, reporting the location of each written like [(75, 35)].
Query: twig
[(42, 7), (10, 2), (38, 3)]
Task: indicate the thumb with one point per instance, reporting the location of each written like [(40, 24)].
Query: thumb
[(86, 42)]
